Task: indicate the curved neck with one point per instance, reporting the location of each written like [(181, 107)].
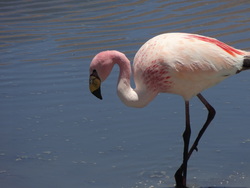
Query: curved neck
[(129, 96)]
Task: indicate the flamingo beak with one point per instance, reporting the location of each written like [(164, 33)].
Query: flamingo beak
[(95, 84)]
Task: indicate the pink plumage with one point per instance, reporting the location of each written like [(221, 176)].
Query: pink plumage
[(177, 63), (232, 51), (191, 63)]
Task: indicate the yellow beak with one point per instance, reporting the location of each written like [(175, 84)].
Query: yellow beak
[(95, 84)]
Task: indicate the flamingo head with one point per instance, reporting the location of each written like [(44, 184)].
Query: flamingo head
[(100, 68)]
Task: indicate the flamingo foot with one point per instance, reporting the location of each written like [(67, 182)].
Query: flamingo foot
[(180, 179)]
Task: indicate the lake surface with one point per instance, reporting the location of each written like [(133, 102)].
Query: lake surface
[(55, 133)]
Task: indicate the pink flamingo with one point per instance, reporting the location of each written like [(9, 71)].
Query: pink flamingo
[(179, 63)]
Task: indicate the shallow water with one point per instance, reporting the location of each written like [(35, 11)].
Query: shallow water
[(54, 133)]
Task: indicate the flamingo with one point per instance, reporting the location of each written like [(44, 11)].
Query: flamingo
[(178, 63)]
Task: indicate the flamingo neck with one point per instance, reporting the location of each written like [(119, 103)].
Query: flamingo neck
[(131, 97)]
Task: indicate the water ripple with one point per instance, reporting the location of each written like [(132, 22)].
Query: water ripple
[(100, 25)]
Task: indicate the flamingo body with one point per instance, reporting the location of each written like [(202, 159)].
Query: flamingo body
[(184, 64), (178, 63)]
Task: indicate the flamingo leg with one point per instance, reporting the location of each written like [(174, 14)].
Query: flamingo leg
[(210, 117), (181, 173)]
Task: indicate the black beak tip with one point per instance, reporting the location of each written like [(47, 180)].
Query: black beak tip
[(97, 93)]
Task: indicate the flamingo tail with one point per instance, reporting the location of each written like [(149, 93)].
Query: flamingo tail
[(246, 63)]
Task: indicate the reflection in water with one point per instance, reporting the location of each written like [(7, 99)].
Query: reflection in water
[(54, 134)]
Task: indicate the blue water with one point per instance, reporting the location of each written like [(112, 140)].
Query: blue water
[(54, 133)]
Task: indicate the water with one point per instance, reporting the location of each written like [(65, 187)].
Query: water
[(54, 133)]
